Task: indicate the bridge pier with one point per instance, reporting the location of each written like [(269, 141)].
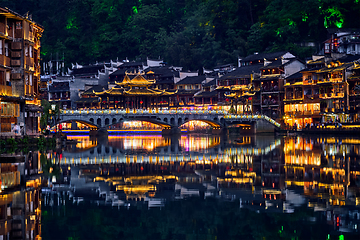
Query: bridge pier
[(264, 127), (170, 131), (93, 132), (216, 131)]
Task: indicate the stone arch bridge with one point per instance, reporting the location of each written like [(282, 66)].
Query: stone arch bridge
[(170, 120)]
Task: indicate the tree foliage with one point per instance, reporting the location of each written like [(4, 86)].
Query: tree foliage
[(189, 33)]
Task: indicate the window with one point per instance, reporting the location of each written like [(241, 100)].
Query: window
[(6, 49), (31, 51), (26, 50), (1, 47), (7, 77)]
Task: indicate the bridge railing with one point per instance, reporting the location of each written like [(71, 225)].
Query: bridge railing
[(253, 117), (172, 111), (140, 111)]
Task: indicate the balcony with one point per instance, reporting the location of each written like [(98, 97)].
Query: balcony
[(5, 90), (29, 90), (15, 63), (303, 113), (16, 54), (4, 60), (309, 82), (2, 28), (332, 95), (16, 76), (354, 93), (330, 80), (311, 97)]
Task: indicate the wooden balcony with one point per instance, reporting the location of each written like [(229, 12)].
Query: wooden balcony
[(19, 33), (330, 80), (16, 54), (16, 45), (29, 62), (309, 82), (29, 90), (2, 28), (6, 90), (16, 76), (331, 95), (5, 226), (15, 63), (4, 60), (303, 113)]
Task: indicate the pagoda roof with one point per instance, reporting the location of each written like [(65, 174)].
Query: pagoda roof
[(113, 91), (96, 88), (118, 90), (147, 92), (138, 80)]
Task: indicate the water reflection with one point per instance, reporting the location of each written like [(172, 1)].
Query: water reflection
[(313, 178), (20, 202)]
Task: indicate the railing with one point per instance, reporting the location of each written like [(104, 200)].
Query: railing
[(141, 111), (330, 80), (332, 95), (157, 111), (300, 113), (7, 90)]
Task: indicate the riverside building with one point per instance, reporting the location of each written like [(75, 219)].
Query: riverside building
[(19, 73)]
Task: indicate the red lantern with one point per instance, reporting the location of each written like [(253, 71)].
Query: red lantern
[(227, 99), (116, 102), (250, 98), (104, 102), (141, 102)]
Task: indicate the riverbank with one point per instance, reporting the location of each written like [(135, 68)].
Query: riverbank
[(345, 130)]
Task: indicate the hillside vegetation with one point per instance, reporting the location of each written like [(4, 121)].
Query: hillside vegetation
[(188, 33)]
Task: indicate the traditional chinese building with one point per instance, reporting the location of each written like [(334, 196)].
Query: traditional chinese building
[(236, 88), (187, 88), (272, 84), (19, 72), (135, 92)]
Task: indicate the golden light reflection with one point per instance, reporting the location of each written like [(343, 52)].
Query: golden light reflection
[(83, 142), (138, 142), (196, 143)]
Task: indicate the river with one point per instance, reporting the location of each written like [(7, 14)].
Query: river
[(201, 186)]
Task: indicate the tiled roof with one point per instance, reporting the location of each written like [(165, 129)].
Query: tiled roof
[(211, 83), (59, 87), (192, 80), (88, 100), (242, 72), (261, 56), (96, 88), (206, 94), (294, 76)]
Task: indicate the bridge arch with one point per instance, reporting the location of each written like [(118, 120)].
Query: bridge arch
[(84, 122), (163, 124), (210, 122)]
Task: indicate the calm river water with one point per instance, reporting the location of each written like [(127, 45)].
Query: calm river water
[(203, 187)]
